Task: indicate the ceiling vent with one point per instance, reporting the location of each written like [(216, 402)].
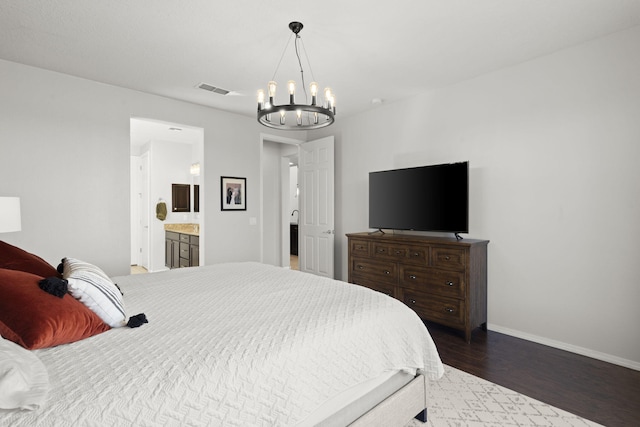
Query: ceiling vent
[(210, 88)]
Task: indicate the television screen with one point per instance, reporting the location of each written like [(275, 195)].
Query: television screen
[(427, 198)]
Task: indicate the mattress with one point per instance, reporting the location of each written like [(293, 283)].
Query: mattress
[(230, 344)]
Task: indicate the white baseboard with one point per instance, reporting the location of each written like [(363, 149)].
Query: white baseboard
[(567, 347)]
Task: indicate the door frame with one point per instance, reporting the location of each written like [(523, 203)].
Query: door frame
[(284, 201)]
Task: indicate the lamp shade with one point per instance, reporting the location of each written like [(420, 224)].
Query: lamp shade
[(10, 214)]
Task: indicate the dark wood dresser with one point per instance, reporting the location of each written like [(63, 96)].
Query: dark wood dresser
[(443, 279)]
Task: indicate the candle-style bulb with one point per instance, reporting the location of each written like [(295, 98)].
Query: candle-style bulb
[(260, 99), (272, 88)]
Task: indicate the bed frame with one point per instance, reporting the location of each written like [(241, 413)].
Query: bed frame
[(399, 408)]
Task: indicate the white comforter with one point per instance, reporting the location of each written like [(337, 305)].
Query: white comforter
[(230, 344)]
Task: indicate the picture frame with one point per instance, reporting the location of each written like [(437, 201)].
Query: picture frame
[(233, 193)]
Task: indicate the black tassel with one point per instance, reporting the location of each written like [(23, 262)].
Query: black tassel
[(137, 320), (54, 286)]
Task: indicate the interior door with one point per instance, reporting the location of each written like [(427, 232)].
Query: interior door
[(316, 225)]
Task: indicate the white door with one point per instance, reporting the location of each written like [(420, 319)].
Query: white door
[(316, 223)]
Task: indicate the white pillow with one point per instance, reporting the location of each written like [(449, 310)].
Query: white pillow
[(24, 381), (92, 287)]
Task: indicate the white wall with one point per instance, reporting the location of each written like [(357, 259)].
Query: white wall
[(65, 150), (554, 146)]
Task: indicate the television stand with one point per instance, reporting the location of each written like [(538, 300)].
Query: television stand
[(378, 231), (458, 236)]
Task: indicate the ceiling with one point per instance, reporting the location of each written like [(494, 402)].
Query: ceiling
[(362, 49)]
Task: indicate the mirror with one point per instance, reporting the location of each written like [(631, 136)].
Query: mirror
[(181, 197)]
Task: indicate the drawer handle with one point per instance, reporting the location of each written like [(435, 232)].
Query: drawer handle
[(449, 283), (413, 301), (447, 258), (381, 251), (360, 267), (398, 252), (360, 247), (387, 272), (416, 254), (412, 277), (449, 309)]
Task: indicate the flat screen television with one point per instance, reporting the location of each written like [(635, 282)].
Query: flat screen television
[(426, 198)]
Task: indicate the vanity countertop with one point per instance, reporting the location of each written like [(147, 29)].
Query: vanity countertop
[(192, 229)]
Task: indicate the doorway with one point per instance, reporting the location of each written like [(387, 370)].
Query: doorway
[(315, 249), (162, 154)]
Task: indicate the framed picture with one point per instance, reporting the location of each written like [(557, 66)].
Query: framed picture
[(233, 193)]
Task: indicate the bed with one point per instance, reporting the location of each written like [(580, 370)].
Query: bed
[(241, 344)]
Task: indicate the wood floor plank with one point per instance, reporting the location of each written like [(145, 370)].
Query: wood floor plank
[(598, 391)]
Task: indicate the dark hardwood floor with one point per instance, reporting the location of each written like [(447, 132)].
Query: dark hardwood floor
[(598, 391)]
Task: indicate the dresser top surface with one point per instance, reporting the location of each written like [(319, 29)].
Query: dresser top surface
[(412, 238)]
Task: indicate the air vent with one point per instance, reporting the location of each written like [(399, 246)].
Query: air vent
[(210, 88)]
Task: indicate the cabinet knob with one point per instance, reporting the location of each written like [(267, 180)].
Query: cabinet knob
[(449, 283), (415, 254), (387, 272), (412, 277), (413, 301), (449, 309), (360, 267), (447, 258), (398, 252)]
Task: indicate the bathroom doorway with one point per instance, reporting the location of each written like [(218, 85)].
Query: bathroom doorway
[(163, 154)]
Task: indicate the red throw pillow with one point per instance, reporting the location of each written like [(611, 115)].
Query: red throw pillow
[(14, 258), (34, 318)]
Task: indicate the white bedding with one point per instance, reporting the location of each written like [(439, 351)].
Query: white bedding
[(230, 344)]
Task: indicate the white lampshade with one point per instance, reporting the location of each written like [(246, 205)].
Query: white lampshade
[(10, 214)]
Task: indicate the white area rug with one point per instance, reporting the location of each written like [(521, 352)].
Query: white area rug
[(461, 399)]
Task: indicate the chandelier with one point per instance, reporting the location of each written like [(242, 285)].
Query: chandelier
[(294, 116)]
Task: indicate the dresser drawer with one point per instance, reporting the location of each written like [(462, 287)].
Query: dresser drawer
[(389, 251), (418, 255), (359, 248), (444, 310), (434, 281), (384, 288), (449, 258), (184, 238), (380, 271)]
